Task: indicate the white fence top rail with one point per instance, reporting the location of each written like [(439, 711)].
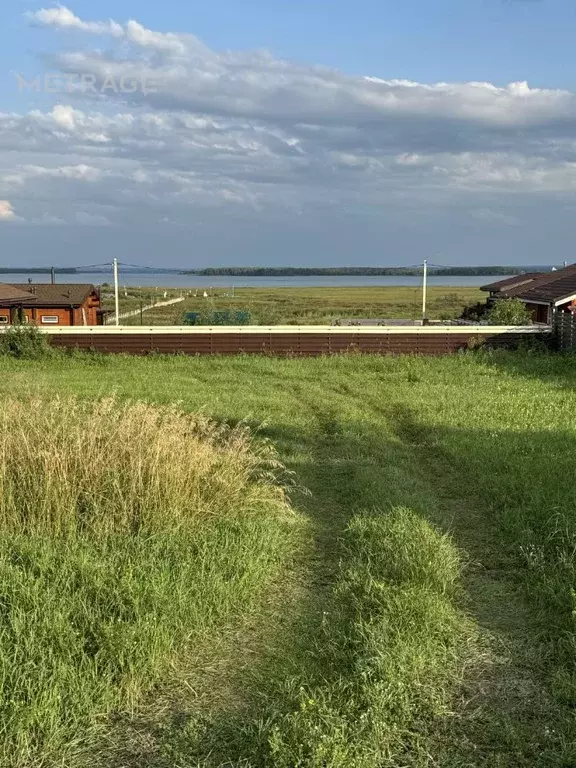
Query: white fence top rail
[(135, 330)]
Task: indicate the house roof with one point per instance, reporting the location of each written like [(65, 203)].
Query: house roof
[(512, 282), (55, 295), (553, 292), (11, 294), (547, 287)]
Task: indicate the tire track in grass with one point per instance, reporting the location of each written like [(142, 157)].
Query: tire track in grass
[(505, 714), (347, 652), (212, 714), (380, 639)]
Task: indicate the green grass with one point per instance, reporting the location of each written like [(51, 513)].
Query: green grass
[(307, 306), (418, 612), (129, 534), (389, 645)]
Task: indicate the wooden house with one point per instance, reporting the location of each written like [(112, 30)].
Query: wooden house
[(51, 304), (544, 293)]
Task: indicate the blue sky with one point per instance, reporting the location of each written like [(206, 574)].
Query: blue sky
[(414, 39), (296, 133)]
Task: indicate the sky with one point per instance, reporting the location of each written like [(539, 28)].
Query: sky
[(287, 133)]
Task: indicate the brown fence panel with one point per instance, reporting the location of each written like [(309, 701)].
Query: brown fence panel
[(298, 342), (81, 342)]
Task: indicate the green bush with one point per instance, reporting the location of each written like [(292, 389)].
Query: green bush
[(24, 341), (509, 312), (218, 317), (474, 312)]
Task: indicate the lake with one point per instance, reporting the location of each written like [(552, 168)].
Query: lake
[(173, 280)]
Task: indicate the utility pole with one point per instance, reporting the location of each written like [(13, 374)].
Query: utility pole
[(116, 296), (424, 289)]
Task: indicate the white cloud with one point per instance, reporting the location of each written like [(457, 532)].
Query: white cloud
[(412, 159), (247, 136), (64, 18), (168, 43), (132, 31), (7, 211), (255, 85), (65, 116), (80, 172)]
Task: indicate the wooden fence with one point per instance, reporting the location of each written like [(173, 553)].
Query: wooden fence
[(288, 340), (111, 319), (565, 331)]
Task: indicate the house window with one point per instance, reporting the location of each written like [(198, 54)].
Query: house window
[(4, 319), (50, 319)]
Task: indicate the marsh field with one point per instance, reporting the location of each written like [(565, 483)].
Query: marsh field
[(299, 306), (341, 562)]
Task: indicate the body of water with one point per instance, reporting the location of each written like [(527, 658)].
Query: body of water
[(172, 280)]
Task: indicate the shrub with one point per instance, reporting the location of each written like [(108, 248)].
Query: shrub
[(474, 312), (24, 341), (509, 312), (217, 317)]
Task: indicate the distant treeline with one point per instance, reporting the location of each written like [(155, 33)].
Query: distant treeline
[(354, 271), (89, 271), (289, 271), (36, 270)]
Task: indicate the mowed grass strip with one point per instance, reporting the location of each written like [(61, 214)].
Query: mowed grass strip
[(130, 533), (386, 652)]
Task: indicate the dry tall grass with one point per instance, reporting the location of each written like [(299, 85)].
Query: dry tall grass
[(130, 534), (69, 466)]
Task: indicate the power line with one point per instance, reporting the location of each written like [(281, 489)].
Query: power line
[(93, 266), (144, 266)]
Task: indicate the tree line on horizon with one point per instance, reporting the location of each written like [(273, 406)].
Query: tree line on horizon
[(350, 271), (298, 271)]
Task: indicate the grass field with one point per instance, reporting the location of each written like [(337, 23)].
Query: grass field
[(306, 306), (414, 606)]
